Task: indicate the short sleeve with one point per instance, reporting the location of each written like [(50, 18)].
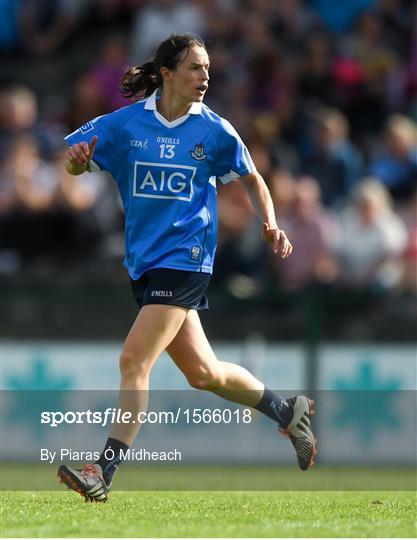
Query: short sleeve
[(233, 159), (104, 154)]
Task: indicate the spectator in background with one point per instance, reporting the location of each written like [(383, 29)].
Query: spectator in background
[(47, 24), (291, 21), (45, 212), (260, 155), (312, 230), (282, 188), (332, 160), (266, 129), (270, 81), (409, 278), (315, 81), (397, 24), (240, 245), (93, 202), (396, 165), (18, 115), (34, 180), (110, 13), (107, 72), (160, 18), (377, 66), (87, 101), (372, 238), (369, 46), (28, 215)]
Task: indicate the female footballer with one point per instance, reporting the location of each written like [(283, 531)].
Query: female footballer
[(165, 152)]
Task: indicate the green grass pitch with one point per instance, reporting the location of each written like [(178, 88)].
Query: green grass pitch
[(217, 514), (292, 512)]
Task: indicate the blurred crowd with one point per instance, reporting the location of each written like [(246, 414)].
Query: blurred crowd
[(324, 93)]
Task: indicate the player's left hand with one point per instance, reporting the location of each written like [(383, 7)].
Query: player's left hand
[(278, 239)]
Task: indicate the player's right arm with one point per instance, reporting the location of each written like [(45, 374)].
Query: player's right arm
[(78, 156)]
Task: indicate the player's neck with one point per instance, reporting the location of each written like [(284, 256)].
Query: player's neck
[(171, 108)]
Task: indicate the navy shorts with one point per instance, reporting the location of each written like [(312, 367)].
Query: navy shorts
[(172, 287)]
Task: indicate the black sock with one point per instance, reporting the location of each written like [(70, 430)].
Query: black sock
[(110, 458), (276, 408)]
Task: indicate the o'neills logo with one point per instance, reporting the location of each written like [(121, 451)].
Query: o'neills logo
[(166, 294)]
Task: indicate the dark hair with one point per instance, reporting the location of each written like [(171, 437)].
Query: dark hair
[(146, 78)]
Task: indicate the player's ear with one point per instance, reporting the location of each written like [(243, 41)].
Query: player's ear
[(165, 73)]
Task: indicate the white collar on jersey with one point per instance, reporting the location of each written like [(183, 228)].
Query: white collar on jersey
[(150, 105)]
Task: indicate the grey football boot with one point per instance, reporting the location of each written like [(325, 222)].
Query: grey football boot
[(88, 481), (299, 431)]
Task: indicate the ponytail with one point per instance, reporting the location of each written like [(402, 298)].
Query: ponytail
[(142, 79)]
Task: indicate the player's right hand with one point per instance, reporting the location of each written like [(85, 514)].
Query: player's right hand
[(81, 153)]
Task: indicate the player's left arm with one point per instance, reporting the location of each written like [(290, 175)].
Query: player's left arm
[(261, 199)]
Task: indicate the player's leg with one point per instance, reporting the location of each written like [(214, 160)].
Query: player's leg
[(152, 331), (154, 328), (193, 354)]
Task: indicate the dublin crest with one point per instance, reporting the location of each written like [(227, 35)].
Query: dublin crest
[(198, 152)]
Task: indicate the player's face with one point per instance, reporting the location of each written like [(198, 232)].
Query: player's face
[(190, 79)]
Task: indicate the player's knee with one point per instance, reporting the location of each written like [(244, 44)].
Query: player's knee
[(132, 366), (207, 379)]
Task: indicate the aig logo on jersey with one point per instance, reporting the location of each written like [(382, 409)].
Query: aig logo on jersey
[(163, 181)]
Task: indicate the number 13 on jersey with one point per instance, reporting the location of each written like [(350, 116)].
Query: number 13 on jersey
[(167, 151)]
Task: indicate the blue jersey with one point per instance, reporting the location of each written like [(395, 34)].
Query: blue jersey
[(166, 173)]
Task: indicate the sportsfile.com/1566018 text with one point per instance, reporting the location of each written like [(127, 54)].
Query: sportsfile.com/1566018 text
[(117, 416)]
